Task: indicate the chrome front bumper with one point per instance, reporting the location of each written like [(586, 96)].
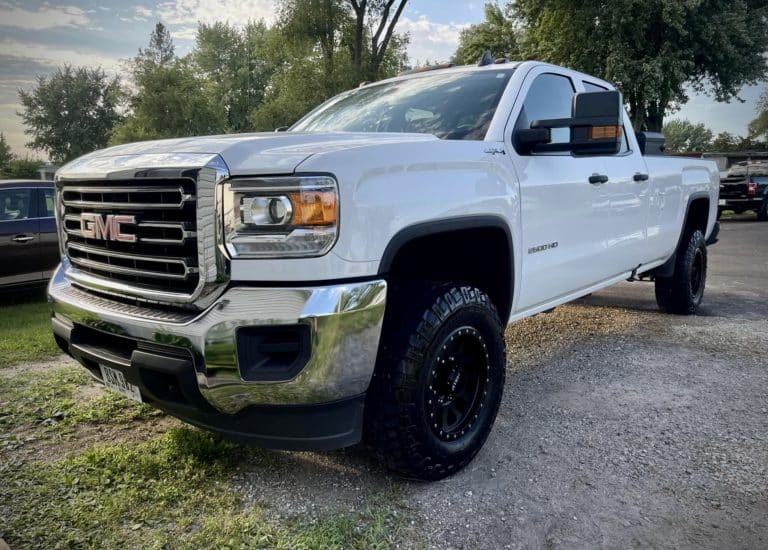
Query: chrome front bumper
[(345, 325)]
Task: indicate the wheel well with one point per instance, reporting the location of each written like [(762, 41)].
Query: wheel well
[(479, 256), (698, 215)]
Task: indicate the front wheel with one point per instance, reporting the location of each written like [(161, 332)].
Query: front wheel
[(683, 291), (438, 381)]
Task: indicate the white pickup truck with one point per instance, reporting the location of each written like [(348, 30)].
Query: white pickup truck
[(350, 279)]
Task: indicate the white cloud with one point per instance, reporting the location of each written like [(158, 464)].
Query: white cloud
[(184, 33), (430, 41), (45, 17), (236, 12), (54, 56), (142, 13)]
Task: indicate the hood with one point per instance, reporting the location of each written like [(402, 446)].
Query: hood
[(244, 154)]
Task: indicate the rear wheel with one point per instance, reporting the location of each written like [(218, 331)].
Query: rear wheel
[(439, 379), (683, 291)]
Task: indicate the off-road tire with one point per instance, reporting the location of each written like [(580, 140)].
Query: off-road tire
[(682, 293), (421, 322)]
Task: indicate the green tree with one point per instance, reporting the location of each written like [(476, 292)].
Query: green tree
[(6, 155), (71, 112), (238, 66), (316, 41), (316, 30), (758, 128), (375, 20), (725, 142), (171, 98), (25, 169), (683, 136), (170, 102), (654, 50), (496, 33), (160, 52)]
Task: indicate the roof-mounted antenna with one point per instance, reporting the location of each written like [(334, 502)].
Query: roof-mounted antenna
[(487, 59)]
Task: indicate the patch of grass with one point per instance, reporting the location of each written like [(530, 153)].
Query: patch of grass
[(25, 328), (52, 401), (172, 491)]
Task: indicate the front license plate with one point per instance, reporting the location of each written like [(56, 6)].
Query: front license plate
[(115, 380), (721, 202)]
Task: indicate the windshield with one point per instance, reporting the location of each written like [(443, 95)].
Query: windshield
[(453, 105)]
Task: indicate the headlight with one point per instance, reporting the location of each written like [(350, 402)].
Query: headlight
[(280, 217)]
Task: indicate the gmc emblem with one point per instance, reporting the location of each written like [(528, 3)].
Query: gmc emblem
[(96, 226)]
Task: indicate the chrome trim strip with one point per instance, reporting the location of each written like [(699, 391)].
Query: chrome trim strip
[(345, 322), (128, 270), (133, 205), (119, 289), (127, 256)]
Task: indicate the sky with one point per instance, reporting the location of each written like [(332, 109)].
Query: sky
[(36, 36)]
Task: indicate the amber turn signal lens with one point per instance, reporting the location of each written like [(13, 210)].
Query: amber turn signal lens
[(605, 132), (313, 207)]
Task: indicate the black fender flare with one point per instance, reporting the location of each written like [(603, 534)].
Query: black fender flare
[(667, 269), (448, 225)]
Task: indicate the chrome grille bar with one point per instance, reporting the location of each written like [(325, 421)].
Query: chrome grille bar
[(133, 203), (110, 266)]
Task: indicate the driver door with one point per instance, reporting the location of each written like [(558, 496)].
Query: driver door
[(565, 218)]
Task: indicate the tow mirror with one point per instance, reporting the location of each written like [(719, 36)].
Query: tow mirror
[(596, 127)]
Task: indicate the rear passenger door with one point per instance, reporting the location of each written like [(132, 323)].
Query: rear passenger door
[(19, 233), (627, 195)]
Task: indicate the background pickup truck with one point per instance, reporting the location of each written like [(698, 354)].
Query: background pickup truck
[(350, 279), (745, 188)]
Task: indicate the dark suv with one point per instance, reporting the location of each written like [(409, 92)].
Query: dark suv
[(29, 249)]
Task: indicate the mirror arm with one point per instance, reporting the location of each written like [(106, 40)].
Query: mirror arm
[(574, 122)]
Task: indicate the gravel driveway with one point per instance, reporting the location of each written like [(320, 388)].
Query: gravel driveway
[(620, 427)]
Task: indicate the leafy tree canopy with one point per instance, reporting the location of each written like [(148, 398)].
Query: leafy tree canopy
[(170, 103), (237, 66), (71, 112), (654, 50), (160, 52), (6, 155), (496, 33), (683, 136), (22, 169), (758, 128)]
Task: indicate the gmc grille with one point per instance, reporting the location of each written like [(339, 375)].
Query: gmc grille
[(164, 253)]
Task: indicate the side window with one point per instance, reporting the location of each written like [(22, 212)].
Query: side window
[(590, 87), (46, 203), (550, 96), (15, 204)]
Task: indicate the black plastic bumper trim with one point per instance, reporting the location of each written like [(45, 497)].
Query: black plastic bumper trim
[(166, 380)]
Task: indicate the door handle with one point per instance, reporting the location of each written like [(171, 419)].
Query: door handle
[(22, 238), (640, 177), (598, 178)]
